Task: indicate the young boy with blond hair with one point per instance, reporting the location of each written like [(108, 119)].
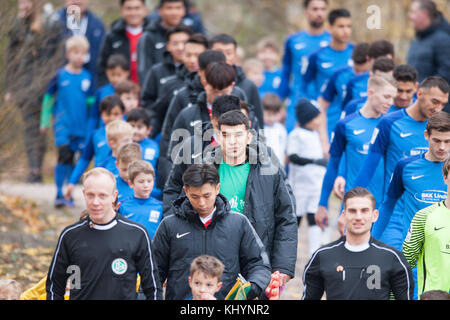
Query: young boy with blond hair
[(67, 101), (205, 277), (118, 133), (141, 207)]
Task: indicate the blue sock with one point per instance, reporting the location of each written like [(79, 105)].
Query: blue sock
[(60, 176)]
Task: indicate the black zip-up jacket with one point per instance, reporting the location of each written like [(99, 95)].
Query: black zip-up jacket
[(151, 47), (182, 237), (116, 42), (156, 77), (370, 274), (108, 258), (269, 200), (166, 91)]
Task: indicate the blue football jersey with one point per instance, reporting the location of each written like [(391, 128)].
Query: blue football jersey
[(147, 212), (70, 112), (352, 136), (272, 81), (321, 65), (357, 87)]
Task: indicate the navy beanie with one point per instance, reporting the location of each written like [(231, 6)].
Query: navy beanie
[(306, 111)]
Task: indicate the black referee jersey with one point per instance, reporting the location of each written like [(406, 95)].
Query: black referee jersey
[(369, 274), (102, 262)]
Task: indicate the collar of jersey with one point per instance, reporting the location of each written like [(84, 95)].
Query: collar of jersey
[(103, 227)]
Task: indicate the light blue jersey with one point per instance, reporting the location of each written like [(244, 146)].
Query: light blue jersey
[(352, 139), (321, 65), (147, 212), (272, 81)]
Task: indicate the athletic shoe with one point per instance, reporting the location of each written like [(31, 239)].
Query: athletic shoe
[(60, 202)]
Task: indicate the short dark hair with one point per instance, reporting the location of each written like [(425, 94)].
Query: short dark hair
[(307, 2), (223, 104), (383, 64), (180, 28), (162, 2), (110, 102), (198, 38), (435, 295), (359, 192), (272, 102), (439, 121), (223, 38), (430, 7), (360, 52), (139, 114), (405, 73), (234, 118), (209, 56), (122, 2), (435, 81), (117, 60), (220, 75), (338, 13), (381, 48), (199, 174), (127, 86)]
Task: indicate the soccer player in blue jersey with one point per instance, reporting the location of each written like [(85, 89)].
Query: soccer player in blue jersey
[(67, 101), (352, 138), (324, 61), (418, 179), (331, 98), (398, 135), (357, 85), (297, 48), (96, 146), (141, 207)]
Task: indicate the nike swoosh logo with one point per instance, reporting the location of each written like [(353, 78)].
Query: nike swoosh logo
[(160, 45), (300, 46), (327, 65), (437, 229), (404, 135), (358, 132), (194, 123), (416, 177), (117, 44), (195, 156), (182, 235), (129, 215)]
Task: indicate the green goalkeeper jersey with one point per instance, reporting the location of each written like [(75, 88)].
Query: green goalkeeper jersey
[(427, 246)]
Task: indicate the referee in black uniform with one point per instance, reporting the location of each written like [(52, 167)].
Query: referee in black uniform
[(101, 255), (357, 266)]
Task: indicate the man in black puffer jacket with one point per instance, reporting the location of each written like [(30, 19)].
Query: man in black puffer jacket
[(203, 223), (268, 200), (429, 52)]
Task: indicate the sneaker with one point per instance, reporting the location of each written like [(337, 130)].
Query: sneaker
[(60, 202), (34, 178)]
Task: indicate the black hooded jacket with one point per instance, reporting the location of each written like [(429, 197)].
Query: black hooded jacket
[(182, 237), (269, 200)]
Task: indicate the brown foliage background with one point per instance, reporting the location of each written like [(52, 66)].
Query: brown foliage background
[(247, 20)]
